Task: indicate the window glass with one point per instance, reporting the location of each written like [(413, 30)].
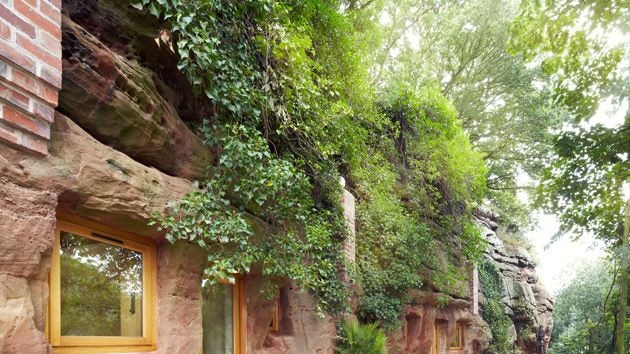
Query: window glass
[(101, 288), (457, 337), (218, 321)]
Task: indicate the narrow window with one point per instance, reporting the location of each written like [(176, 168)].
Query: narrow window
[(458, 337), (102, 285), (274, 326), (223, 317)]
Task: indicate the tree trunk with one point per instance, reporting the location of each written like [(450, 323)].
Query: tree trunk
[(623, 283)]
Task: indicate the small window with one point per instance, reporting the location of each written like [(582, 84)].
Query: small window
[(102, 284), (223, 317), (274, 325), (458, 337)]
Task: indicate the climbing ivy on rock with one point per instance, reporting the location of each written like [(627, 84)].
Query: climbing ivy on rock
[(255, 61), (296, 240), (294, 109), (493, 310), (419, 186)]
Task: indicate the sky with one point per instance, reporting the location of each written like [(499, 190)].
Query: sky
[(558, 261)]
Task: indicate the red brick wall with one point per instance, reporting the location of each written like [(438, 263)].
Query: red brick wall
[(473, 290), (30, 71)]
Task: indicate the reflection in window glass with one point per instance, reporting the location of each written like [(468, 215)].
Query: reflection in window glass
[(218, 331), (101, 288), (457, 338)]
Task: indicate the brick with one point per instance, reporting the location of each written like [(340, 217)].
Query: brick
[(24, 122), (50, 75), (55, 3), (18, 57), (5, 30), (24, 141), (33, 3), (51, 11), (8, 134), (50, 95), (26, 82), (14, 97), (10, 17), (37, 19), (34, 144), (35, 86), (43, 111), (38, 52), (49, 43)]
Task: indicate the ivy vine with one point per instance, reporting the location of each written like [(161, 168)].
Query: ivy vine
[(295, 109)]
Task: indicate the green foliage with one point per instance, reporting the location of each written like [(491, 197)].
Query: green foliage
[(584, 312), (425, 173), (570, 41), (284, 97), (100, 315), (355, 338), (493, 311), (584, 182), (464, 46), (294, 107), (249, 180)]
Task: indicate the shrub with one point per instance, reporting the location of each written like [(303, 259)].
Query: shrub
[(356, 338)]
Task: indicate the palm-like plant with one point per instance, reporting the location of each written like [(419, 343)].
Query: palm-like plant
[(356, 338)]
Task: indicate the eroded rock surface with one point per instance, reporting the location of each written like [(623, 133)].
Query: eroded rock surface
[(117, 101), (96, 181), (526, 301)]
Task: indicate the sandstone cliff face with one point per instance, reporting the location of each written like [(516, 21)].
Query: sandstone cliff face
[(526, 301), (122, 145)]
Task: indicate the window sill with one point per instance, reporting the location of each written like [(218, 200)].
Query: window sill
[(104, 349)]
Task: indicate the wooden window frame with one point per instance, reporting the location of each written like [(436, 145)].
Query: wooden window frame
[(102, 344), (459, 330), (239, 314)]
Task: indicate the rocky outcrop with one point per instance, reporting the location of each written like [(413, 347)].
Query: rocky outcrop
[(117, 101), (88, 178), (526, 301), (431, 322), (300, 329)]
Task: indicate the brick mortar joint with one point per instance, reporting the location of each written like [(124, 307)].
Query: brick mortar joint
[(23, 111), (18, 67), (25, 92)]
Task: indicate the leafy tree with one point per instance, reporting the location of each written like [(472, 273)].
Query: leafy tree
[(584, 181), (584, 312), (584, 185), (571, 41), (463, 48)]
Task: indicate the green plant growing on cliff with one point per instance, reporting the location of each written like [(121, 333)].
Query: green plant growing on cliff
[(294, 108), (277, 82), (493, 311), (248, 180), (356, 338), (423, 173)]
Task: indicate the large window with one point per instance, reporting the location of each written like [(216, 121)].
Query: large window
[(102, 284), (223, 316)]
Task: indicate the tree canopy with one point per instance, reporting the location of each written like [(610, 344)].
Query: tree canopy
[(428, 109)]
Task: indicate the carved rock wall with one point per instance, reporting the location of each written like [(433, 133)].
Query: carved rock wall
[(123, 146), (92, 180), (113, 159), (526, 301)]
